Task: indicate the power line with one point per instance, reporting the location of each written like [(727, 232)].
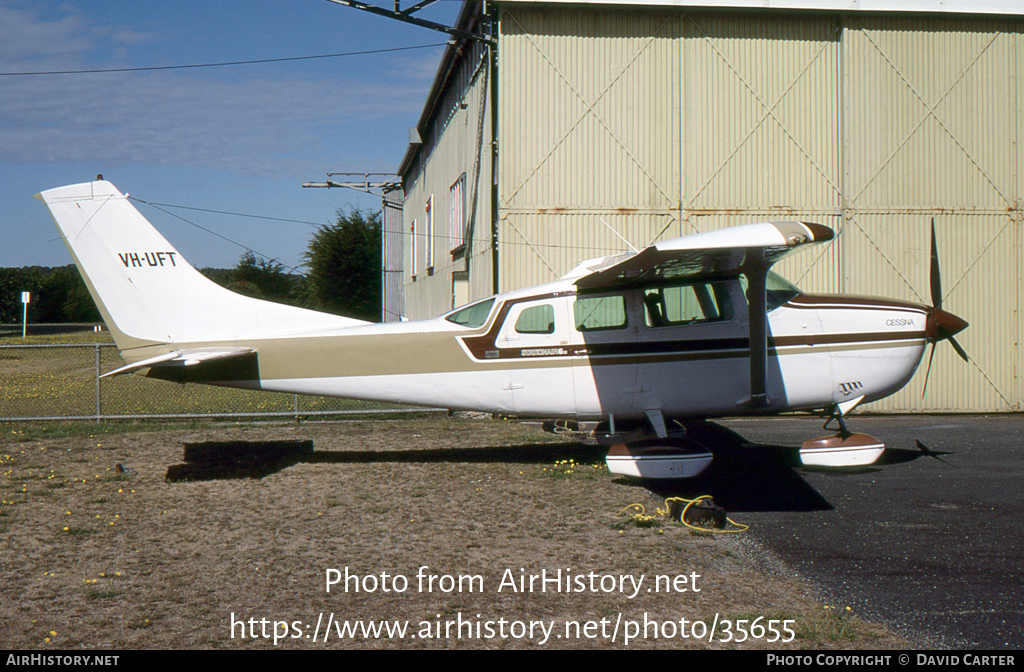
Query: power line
[(234, 214), (218, 65), (604, 249), (214, 233)]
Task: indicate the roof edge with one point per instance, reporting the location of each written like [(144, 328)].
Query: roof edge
[(468, 15), (1006, 7)]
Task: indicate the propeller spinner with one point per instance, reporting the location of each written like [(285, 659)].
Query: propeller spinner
[(942, 325)]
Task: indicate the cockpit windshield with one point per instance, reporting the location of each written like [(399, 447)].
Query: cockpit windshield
[(473, 315), (779, 290)]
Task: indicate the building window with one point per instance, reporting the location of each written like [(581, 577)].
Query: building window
[(413, 267), (456, 214), (429, 242)]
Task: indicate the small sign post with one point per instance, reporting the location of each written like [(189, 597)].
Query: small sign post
[(26, 297)]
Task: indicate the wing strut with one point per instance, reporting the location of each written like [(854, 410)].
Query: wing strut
[(757, 299)]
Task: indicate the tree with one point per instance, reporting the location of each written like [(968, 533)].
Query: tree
[(63, 297), (344, 261), (58, 295), (262, 278)]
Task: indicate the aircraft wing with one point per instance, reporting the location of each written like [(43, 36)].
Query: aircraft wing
[(185, 357), (718, 253)]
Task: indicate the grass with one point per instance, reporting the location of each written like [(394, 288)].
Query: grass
[(165, 565), (37, 382)]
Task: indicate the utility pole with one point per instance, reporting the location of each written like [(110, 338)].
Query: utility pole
[(389, 187)]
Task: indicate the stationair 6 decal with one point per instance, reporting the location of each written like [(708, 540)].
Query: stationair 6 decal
[(139, 259)]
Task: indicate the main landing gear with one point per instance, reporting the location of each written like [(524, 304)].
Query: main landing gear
[(652, 449)]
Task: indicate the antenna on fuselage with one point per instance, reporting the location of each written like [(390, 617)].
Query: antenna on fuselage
[(630, 245)]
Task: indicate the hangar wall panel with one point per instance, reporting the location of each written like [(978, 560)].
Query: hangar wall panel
[(890, 256), (589, 139), (393, 274), (929, 112), (761, 103), (537, 248)]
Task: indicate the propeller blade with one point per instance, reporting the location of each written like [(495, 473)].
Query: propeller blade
[(928, 371), (960, 351), (934, 276)]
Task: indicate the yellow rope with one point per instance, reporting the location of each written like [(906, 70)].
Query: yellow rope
[(642, 516)]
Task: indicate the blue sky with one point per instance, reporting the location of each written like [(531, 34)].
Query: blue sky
[(240, 139)]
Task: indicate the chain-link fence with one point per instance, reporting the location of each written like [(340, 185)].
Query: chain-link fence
[(62, 382)]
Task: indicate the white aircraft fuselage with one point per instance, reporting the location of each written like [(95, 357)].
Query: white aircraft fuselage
[(693, 327), (823, 350)]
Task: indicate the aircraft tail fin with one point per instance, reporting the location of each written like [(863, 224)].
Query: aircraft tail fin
[(146, 291)]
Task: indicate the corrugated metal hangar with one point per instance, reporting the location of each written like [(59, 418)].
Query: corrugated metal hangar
[(587, 124)]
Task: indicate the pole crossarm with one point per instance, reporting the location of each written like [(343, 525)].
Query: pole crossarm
[(407, 17), (367, 184)]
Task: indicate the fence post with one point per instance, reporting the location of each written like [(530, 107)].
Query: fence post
[(96, 348)]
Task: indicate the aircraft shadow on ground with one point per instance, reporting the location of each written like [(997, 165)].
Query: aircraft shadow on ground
[(744, 476)]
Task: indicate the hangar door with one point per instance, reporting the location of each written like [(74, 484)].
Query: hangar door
[(874, 126)]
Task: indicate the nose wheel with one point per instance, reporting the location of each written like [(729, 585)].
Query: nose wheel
[(844, 448)]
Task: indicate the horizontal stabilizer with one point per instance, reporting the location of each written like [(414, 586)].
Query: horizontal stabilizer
[(190, 357)]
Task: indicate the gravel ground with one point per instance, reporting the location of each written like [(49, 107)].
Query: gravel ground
[(438, 522)]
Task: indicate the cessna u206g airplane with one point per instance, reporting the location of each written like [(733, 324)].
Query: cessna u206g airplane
[(649, 344)]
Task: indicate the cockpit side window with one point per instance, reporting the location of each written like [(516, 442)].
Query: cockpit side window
[(473, 315), (687, 304), (598, 313)]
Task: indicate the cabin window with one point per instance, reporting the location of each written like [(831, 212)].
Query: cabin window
[(472, 316), (536, 320), (600, 312), (687, 304)]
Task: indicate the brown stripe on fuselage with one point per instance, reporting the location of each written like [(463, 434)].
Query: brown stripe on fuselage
[(852, 302), (479, 346)]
